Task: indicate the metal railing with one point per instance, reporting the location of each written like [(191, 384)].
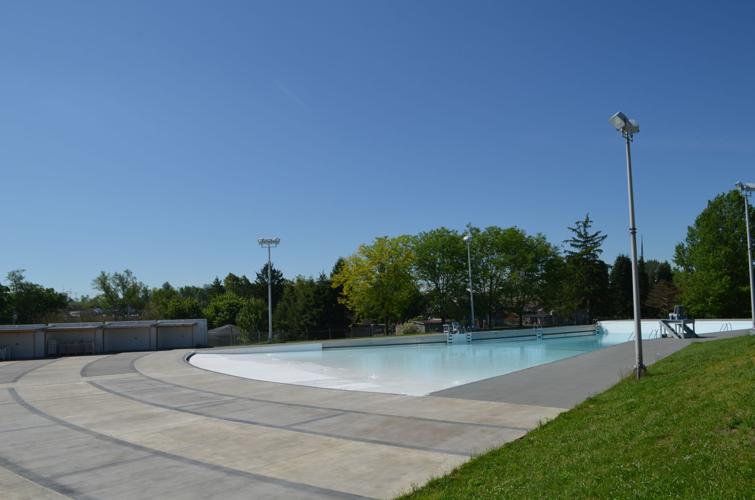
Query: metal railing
[(655, 333)]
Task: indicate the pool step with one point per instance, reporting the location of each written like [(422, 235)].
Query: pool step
[(678, 329)]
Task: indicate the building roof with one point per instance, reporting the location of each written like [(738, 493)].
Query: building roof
[(176, 322), (166, 323), (225, 331), (130, 324), (22, 328), (75, 326)]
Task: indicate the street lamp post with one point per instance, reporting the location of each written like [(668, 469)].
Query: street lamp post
[(628, 128), (269, 243), (746, 188), (468, 239)]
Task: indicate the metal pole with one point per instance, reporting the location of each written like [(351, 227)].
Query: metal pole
[(471, 294), (639, 367), (749, 257), (269, 298)]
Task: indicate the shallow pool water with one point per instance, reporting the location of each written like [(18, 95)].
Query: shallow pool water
[(420, 369), (417, 369)]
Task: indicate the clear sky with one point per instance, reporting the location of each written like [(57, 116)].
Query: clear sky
[(166, 137)]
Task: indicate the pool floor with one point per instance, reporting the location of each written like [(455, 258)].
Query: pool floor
[(414, 370)]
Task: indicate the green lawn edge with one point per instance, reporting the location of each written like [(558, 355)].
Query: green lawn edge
[(683, 431)]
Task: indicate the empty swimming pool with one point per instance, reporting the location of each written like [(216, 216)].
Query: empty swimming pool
[(415, 369)]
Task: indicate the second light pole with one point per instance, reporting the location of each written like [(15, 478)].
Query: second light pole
[(746, 188), (628, 128), (269, 243), (468, 239)]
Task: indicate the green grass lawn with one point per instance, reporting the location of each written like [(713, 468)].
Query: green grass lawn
[(686, 430)]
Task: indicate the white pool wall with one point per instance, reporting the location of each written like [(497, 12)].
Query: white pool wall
[(650, 327)]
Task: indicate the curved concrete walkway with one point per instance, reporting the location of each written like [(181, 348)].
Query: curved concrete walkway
[(150, 425)]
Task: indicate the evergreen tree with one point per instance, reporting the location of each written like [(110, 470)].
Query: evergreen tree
[(644, 283), (584, 244), (6, 314), (240, 285), (215, 288), (620, 281), (298, 311), (260, 284), (588, 275), (334, 316)]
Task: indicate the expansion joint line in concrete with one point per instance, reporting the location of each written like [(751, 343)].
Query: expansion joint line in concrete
[(315, 419), (131, 368), (326, 408), (158, 453), (290, 428), (42, 481), (36, 367)]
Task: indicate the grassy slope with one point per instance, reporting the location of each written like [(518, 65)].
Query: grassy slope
[(684, 431)]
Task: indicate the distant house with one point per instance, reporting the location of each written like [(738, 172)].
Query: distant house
[(224, 335), (539, 317), (433, 325)]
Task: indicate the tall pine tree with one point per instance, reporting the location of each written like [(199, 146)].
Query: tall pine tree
[(588, 274)]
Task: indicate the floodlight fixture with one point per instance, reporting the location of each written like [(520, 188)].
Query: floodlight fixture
[(627, 126), (746, 187), (467, 237), (269, 243)]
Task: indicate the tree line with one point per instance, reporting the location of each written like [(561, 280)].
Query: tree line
[(513, 274), (395, 279)]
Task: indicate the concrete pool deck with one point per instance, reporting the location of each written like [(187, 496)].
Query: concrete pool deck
[(149, 425), (568, 382)]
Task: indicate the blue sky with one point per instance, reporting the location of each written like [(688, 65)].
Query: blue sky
[(165, 137)]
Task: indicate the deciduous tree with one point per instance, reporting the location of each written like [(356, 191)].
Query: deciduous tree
[(529, 260), (440, 264), (377, 280), (27, 302), (712, 260), (121, 293), (223, 309)]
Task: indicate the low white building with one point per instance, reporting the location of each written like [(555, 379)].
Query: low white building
[(60, 339)]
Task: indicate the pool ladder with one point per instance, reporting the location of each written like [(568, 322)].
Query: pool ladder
[(455, 334), (539, 332)]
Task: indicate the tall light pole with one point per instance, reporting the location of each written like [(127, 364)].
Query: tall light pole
[(269, 243), (468, 239), (628, 128), (746, 188)]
